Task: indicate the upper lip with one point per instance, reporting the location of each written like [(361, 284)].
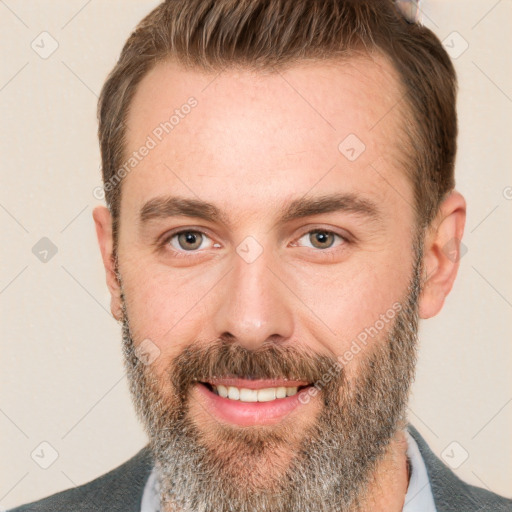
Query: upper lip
[(257, 384)]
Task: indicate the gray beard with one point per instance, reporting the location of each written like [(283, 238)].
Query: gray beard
[(331, 466)]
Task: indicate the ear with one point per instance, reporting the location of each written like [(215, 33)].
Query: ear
[(442, 253), (103, 222)]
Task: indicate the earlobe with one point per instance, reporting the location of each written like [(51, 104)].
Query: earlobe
[(442, 253), (103, 222)]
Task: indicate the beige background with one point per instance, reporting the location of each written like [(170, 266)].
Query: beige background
[(61, 376)]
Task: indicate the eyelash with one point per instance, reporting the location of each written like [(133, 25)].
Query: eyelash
[(328, 252)]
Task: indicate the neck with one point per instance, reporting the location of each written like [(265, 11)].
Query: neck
[(389, 484)]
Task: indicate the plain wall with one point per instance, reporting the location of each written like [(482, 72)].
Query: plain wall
[(62, 379)]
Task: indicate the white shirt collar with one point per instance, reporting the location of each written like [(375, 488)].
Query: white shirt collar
[(419, 497), (151, 494)]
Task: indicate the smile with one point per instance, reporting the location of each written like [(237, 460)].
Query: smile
[(247, 402), (254, 395)]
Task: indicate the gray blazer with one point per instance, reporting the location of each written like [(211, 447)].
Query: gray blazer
[(121, 489)]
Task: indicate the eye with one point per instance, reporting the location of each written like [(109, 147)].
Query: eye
[(322, 238), (188, 241)]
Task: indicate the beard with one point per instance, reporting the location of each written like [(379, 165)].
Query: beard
[(326, 467)]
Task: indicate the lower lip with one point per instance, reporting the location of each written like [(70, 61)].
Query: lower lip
[(251, 413)]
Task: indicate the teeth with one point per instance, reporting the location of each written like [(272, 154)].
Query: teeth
[(223, 391), (266, 395), (248, 395), (254, 395), (233, 393), (281, 392), (291, 391)]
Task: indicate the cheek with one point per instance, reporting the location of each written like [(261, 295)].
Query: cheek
[(165, 306), (356, 302)]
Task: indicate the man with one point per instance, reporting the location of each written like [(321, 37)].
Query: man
[(304, 151)]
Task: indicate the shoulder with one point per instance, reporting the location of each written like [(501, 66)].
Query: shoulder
[(119, 489), (450, 492)]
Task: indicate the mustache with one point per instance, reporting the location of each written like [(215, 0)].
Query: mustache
[(224, 359)]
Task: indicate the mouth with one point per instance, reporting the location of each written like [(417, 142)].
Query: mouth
[(246, 402), (254, 391)]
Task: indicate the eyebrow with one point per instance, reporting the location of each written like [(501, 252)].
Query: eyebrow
[(175, 206)]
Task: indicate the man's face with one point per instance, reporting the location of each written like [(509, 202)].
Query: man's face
[(261, 303)]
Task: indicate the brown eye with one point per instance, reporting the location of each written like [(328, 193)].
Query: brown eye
[(187, 240), (321, 239)]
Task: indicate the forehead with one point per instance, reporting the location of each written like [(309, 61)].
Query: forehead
[(314, 124)]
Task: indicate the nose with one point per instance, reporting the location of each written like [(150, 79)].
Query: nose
[(253, 304)]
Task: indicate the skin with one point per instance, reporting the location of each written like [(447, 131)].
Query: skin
[(251, 145)]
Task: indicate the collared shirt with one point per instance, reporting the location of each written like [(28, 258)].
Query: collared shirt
[(419, 497)]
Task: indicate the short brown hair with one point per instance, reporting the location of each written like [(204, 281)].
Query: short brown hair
[(266, 34)]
